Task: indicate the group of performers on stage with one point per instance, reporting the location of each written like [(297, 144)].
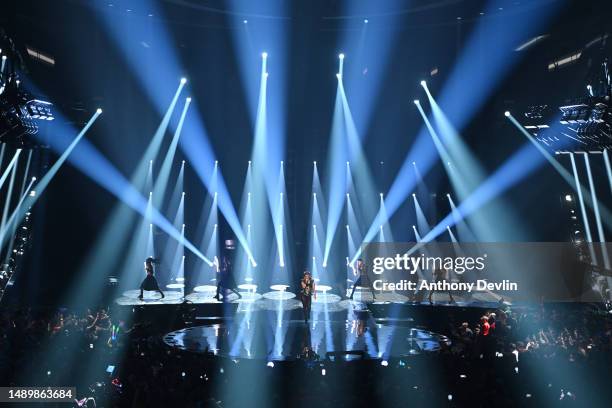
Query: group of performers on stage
[(226, 282)]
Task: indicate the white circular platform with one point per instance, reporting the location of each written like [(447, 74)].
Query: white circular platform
[(248, 286), (279, 295), (205, 288), (326, 298), (175, 286), (281, 288), (323, 288)]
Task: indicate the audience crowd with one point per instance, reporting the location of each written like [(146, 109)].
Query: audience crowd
[(520, 356)]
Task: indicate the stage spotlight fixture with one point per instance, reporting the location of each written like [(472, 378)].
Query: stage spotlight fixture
[(416, 102), (189, 99), (568, 198), (381, 195), (384, 363), (183, 80), (245, 21), (507, 113), (366, 21), (423, 83), (264, 55), (20, 112), (341, 56)]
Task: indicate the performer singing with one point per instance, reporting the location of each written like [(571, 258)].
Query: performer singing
[(308, 290), (225, 278), (440, 275), (362, 277), (150, 283)]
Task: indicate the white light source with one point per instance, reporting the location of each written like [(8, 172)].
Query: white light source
[(365, 21), (568, 198), (416, 101), (245, 21), (99, 111), (384, 363), (183, 80), (507, 113), (423, 83), (264, 55), (188, 100), (341, 56)]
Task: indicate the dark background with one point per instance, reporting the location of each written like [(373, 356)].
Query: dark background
[(89, 72)]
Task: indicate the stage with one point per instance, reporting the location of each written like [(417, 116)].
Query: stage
[(254, 338)]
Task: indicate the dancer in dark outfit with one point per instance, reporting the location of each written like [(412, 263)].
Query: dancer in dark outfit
[(150, 283), (308, 289), (225, 278), (440, 275), (362, 277)]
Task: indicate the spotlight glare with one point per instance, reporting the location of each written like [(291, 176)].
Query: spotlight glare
[(264, 55), (341, 56), (507, 113), (99, 111), (423, 83), (245, 21), (416, 101), (325, 264), (366, 21), (314, 163), (183, 80), (188, 99)]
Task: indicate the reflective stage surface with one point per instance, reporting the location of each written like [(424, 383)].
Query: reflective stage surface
[(263, 336)]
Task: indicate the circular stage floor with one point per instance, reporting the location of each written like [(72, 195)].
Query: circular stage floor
[(252, 337)]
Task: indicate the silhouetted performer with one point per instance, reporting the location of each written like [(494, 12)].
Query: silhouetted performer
[(362, 277), (225, 278), (308, 289), (150, 283), (440, 275)]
